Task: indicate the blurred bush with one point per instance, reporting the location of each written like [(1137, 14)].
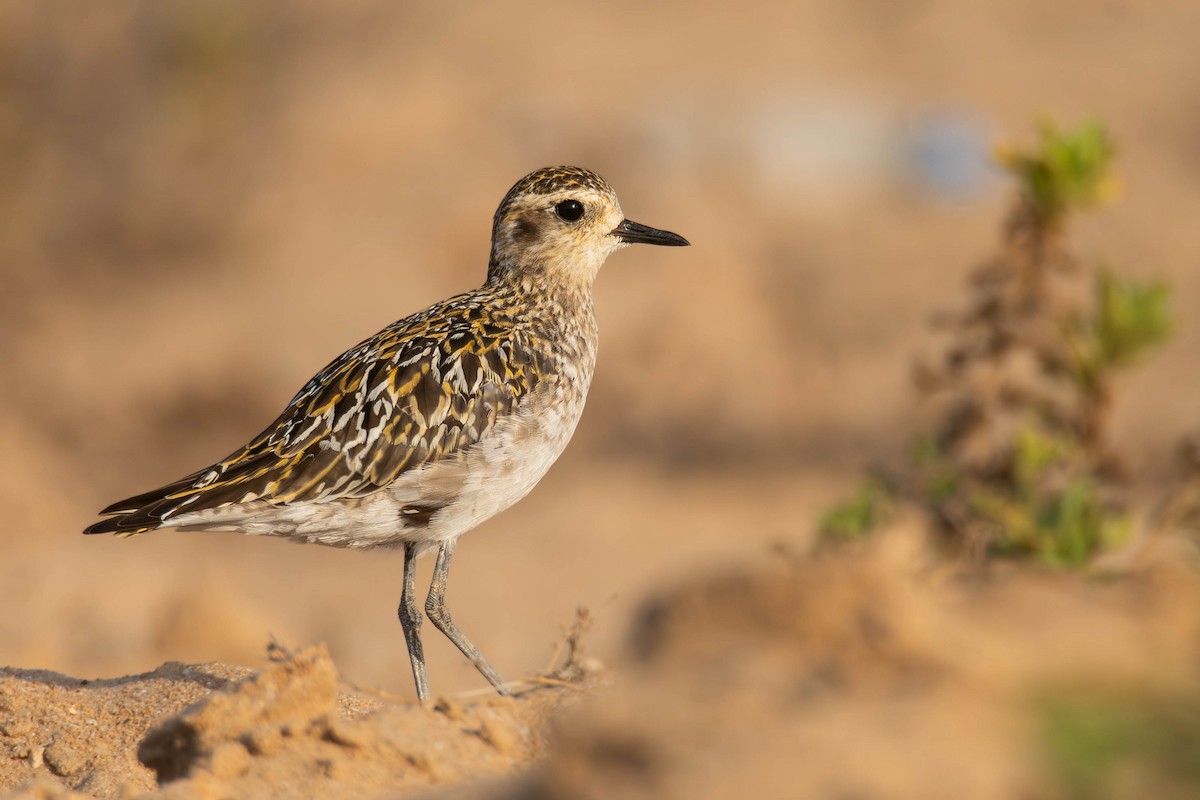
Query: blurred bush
[(1018, 462)]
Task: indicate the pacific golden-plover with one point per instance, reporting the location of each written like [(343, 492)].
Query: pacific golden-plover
[(439, 421)]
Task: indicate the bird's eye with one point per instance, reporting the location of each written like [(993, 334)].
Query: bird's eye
[(569, 210)]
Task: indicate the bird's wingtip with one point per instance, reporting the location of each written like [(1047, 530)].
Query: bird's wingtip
[(120, 525), (104, 526)]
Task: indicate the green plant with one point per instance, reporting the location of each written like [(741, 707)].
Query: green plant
[(1128, 320), (869, 507), (1107, 745), (1066, 171)]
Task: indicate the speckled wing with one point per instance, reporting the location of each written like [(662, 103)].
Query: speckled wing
[(418, 392)]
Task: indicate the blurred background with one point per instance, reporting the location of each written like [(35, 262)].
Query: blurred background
[(204, 202)]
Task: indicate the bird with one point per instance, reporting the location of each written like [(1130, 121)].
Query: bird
[(436, 423)]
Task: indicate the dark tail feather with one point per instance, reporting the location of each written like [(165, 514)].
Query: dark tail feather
[(137, 514), (115, 525), (139, 501), (150, 511)]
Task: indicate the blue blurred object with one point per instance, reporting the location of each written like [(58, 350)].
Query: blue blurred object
[(948, 155)]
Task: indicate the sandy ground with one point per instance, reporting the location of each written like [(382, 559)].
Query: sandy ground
[(881, 672), (205, 202)]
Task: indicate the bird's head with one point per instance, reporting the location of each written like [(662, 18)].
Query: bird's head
[(561, 223)]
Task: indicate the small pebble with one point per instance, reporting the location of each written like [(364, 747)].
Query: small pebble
[(263, 741), (63, 760), (500, 735), (339, 732), (451, 709), (229, 760), (15, 727)]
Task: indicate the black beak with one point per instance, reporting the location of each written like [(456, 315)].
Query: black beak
[(635, 233)]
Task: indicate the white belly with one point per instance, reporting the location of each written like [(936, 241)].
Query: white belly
[(499, 472)]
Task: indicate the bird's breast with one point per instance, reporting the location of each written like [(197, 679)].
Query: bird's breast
[(498, 471)]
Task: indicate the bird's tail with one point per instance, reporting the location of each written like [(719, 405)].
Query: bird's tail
[(144, 512)]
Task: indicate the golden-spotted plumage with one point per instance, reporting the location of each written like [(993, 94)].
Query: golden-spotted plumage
[(419, 391), (437, 422)]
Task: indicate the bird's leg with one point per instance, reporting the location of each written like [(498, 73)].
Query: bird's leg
[(410, 621), (435, 607)]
